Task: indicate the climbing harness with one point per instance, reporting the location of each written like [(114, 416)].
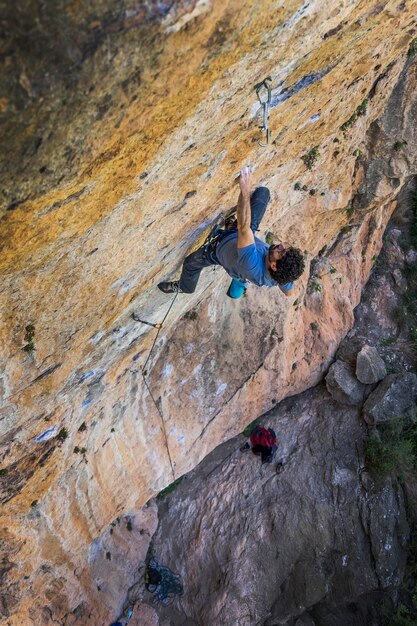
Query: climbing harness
[(266, 104), (217, 229), (224, 224)]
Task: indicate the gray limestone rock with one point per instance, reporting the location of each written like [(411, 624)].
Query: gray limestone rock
[(342, 384), (388, 534), (305, 620), (370, 368), (255, 547), (392, 398), (411, 256), (400, 280)]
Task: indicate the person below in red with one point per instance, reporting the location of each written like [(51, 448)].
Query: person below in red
[(263, 443)]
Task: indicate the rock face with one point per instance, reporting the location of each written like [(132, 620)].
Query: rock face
[(317, 543), (395, 395), (342, 384), (129, 123), (370, 368)]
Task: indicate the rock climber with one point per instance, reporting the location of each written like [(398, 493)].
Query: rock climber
[(263, 443), (244, 257)]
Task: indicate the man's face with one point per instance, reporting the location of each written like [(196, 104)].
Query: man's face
[(276, 252)]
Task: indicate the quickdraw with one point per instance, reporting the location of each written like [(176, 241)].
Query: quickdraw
[(137, 319), (266, 104)]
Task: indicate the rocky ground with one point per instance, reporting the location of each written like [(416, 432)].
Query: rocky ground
[(324, 540)]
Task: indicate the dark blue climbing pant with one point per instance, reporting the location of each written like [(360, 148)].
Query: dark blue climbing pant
[(206, 255)]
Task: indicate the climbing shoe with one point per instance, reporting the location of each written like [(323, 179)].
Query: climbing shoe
[(280, 467), (244, 447), (170, 287)]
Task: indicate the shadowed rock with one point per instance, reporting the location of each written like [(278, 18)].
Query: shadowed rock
[(392, 398), (256, 547)]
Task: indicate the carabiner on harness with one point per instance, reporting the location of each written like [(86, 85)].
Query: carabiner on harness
[(265, 103)]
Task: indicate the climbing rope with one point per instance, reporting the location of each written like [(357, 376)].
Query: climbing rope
[(162, 422), (163, 583), (158, 326), (144, 372), (212, 236)]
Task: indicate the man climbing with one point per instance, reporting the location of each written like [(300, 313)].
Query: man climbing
[(263, 443), (243, 256)]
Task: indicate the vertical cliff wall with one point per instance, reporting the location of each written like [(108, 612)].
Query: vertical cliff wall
[(124, 128)]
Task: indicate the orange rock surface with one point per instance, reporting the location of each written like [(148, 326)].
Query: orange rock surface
[(162, 117)]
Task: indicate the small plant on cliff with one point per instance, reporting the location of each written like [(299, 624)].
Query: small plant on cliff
[(388, 342), (398, 145), (310, 157), (314, 285), (4, 472), (170, 488), (29, 338), (350, 211), (412, 50), (62, 435), (392, 448), (358, 112), (249, 428), (269, 238), (78, 450), (191, 315)]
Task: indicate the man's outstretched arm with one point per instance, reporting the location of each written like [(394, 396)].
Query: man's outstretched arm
[(245, 234), (287, 292)]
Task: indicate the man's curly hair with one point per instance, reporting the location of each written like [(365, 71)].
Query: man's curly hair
[(289, 268)]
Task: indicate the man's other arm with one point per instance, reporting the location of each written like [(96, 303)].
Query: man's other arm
[(245, 234), (287, 289)]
